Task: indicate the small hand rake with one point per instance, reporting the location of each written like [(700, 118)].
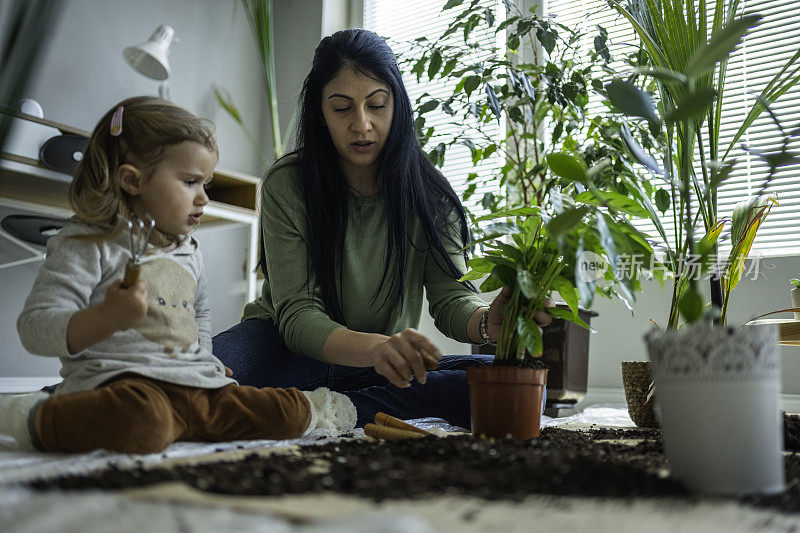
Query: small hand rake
[(138, 238)]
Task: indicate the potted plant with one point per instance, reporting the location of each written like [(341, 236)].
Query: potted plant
[(717, 387), (538, 85)]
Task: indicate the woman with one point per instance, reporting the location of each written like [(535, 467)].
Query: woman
[(355, 223)]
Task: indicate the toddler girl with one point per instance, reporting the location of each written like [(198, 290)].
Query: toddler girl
[(137, 368)]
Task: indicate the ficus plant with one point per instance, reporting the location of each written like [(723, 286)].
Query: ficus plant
[(538, 86), (690, 75)]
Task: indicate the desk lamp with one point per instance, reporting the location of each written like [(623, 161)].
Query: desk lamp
[(150, 57)]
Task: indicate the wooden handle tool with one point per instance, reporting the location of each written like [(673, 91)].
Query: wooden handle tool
[(383, 419), (131, 275), (390, 433)]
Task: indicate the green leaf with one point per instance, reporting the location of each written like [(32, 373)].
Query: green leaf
[(529, 335), (567, 166), (637, 151), (567, 292), (503, 228), (471, 83), (568, 315), (494, 104), (430, 105), (619, 202), (472, 275), (518, 211), (526, 284), (548, 40), (720, 46), (632, 101), (662, 200), (452, 3), (491, 284), (436, 62), (557, 131), (449, 66), (506, 274), (565, 221), (481, 264), (663, 74), (694, 107), (721, 174), (691, 305)]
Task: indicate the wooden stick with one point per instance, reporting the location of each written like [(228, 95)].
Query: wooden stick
[(387, 420), (131, 275), (390, 433)]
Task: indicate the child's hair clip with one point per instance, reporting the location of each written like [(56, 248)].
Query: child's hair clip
[(116, 122)]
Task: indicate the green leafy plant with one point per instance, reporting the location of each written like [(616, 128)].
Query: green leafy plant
[(795, 282), (259, 17), (690, 75), (539, 86), (563, 222)]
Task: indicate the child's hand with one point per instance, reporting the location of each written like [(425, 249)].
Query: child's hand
[(126, 307)]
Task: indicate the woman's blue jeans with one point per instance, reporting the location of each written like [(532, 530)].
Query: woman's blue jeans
[(255, 351)]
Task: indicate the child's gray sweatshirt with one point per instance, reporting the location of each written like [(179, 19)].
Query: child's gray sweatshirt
[(172, 343)]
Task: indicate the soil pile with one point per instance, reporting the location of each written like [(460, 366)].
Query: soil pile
[(598, 462)]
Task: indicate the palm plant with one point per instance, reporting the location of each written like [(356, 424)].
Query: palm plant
[(690, 71), (260, 17)]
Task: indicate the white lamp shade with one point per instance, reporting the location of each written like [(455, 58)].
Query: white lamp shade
[(150, 57)]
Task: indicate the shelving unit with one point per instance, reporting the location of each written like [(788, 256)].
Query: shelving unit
[(234, 196)]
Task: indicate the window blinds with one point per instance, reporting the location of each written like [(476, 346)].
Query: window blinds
[(402, 22), (751, 67)]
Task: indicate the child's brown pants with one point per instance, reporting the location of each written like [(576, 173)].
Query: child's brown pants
[(134, 414)]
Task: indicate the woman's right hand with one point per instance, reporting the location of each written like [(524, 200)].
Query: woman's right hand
[(403, 356), (125, 307)]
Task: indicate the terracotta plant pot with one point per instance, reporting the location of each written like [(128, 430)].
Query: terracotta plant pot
[(636, 381), (718, 389), (506, 400), (566, 354)]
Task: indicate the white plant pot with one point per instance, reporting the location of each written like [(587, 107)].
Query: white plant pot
[(796, 301), (718, 389)]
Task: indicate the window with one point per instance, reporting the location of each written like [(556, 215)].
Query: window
[(402, 22), (750, 68)]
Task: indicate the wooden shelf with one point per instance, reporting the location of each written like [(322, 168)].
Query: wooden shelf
[(788, 329)]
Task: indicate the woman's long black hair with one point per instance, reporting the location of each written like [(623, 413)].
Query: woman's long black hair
[(411, 185)]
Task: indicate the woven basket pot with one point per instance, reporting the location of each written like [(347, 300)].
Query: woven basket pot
[(718, 389), (636, 380)]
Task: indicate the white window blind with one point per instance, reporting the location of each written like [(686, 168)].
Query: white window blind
[(402, 22), (751, 67)]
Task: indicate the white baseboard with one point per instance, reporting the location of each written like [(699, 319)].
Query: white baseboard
[(30, 384), (594, 395)]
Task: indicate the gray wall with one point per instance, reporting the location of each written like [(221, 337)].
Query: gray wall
[(619, 335), (81, 74)]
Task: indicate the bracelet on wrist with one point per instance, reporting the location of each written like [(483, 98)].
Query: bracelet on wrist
[(483, 329)]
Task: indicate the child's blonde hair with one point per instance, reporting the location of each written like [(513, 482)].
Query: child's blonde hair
[(149, 126)]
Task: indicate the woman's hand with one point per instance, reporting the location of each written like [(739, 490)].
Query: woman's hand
[(403, 356), (494, 322)]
